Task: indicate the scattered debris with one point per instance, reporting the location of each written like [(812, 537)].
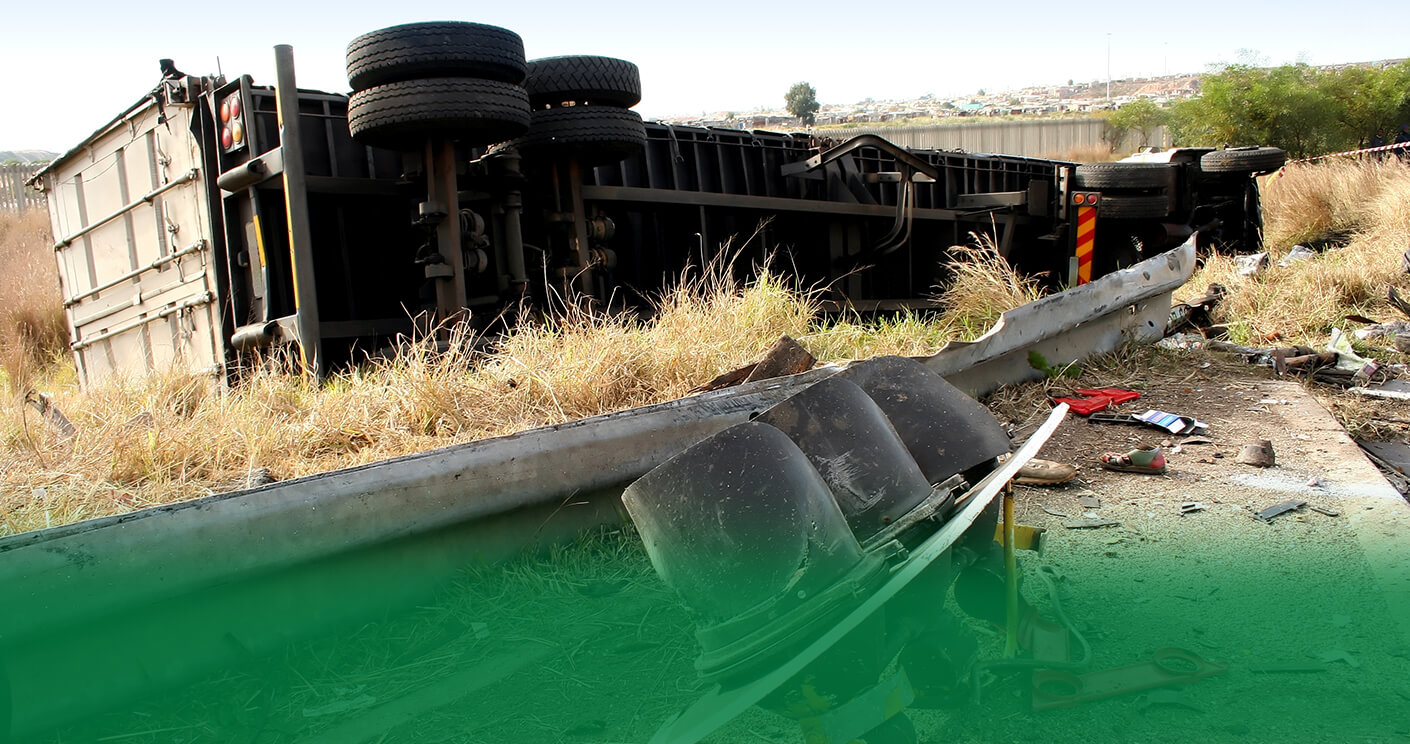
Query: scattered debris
[(1392, 389), (1259, 454), (1251, 264), (1190, 507), (1284, 507), (1335, 655), (1037, 472), (1301, 359), (785, 357), (1347, 358), (1156, 419), (1396, 301), (1393, 458), (1099, 399), (1383, 331), (1166, 699), (55, 418), (1169, 666), (1173, 423), (1196, 312), (1143, 461), (1089, 501), (253, 478), (1053, 512), (1086, 523), (1297, 253), (1196, 440)]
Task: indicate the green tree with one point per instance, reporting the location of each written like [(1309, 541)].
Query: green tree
[(1299, 108), (802, 102), (1142, 116)]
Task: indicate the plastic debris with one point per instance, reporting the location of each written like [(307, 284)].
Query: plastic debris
[(1251, 264), (1171, 422), (1297, 253)]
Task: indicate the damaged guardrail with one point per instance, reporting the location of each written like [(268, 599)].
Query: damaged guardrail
[(115, 606)]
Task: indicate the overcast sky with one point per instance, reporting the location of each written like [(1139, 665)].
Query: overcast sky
[(66, 68)]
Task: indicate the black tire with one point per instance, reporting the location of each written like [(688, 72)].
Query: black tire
[(478, 112), (583, 79), (1133, 207), (451, 49), (1243, 160), (1123, 175), (597, 135)]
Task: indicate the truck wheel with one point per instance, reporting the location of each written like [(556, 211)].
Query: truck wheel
[(478, 112), (435, 49), (1243, 160), (1123, 175), (1134, 207), (583, 79), (597, 135)]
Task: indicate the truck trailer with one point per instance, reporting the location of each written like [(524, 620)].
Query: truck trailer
[(216, 219)]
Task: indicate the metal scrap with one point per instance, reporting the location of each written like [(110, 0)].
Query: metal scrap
[(1275, 510), (1085, 523)]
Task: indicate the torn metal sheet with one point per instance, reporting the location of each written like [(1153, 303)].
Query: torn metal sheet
[(1130, 305), (1391, 389), (1279, 509)]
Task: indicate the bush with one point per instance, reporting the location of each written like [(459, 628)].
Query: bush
[(1302, 109)]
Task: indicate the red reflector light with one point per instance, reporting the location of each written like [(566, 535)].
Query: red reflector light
[(235, 106), (1091, 198), (226, 138)]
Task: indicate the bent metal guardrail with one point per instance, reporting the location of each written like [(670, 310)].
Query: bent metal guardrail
[(111, 607)]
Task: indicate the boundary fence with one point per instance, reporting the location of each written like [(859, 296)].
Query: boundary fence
[(15, 196)]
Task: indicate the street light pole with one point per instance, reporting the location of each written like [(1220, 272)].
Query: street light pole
[(1108, 67)]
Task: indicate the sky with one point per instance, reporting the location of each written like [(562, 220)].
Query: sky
[(67, 68)]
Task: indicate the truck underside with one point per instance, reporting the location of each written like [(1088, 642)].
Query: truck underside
[(338, 245)]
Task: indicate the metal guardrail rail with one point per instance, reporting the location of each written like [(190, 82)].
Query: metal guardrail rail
[(118, 605)]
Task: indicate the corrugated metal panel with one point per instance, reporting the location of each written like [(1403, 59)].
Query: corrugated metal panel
[(131, 227)]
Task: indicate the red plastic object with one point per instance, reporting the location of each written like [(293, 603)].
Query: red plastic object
[(1054, 688), (1085, 406), (1117, 395), (1097, 399)]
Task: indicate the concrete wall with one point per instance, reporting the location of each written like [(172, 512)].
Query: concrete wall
[(1053, 138)]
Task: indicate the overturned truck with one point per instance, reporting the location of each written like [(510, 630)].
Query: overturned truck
[(217, 218)]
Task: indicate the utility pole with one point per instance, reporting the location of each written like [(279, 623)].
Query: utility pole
[(1108, 67)]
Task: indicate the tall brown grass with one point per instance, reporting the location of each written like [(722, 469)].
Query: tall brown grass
[(1358, 212), (179, 435), (1099, 153), (32, 328)]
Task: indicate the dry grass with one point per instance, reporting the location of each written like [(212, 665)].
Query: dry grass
[(1099, 153), (32, 328), (1360, 213), (179, 435)]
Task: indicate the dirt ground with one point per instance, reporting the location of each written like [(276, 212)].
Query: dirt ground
[(1309, 610)]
